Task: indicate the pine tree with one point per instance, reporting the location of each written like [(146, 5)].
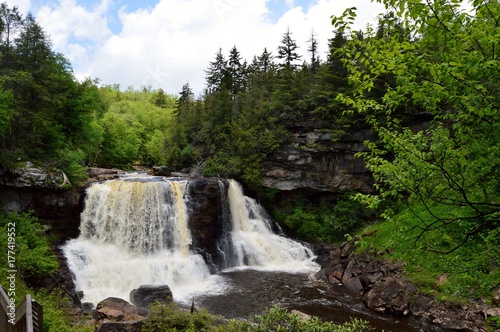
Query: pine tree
[(236, 71), (11, 23), (287, 51), (313, 49), (217, 73)]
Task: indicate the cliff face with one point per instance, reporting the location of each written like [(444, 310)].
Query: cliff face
[(316, 163), (34, 189), (312, 165)]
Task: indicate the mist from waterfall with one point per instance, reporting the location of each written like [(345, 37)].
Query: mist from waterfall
[(134, 231)]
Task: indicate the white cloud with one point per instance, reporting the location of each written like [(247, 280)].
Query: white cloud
[(23, 5), (68, 24), (173, 42)]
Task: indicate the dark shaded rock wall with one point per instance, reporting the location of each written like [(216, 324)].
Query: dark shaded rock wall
[(315, 161), (207, 216)]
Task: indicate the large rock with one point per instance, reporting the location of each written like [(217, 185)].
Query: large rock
[(390, 296), (116, 310), (146, 295), (208, 217), (315, 161), (33, 177), (43, 192), (130, 326)]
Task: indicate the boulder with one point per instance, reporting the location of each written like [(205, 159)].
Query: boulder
[(146, 295), (348, 272), (354, 284), (390, 296), (130, 326), (301, 314), (115, 309)]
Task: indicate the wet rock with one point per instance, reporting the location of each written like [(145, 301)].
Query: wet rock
[(390, 296), (146, 295), (348, 272), (161, 170), (208, 217), (87, 307), (102, 174), (354, 284)]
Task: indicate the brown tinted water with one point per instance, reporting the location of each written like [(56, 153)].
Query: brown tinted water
[(249, 292)]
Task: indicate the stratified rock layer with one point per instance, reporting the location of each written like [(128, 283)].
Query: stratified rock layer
[(316, 161)]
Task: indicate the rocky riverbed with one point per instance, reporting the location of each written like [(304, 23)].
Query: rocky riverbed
[(384, 288)]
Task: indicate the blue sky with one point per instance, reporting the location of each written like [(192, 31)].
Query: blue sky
[(166, 43)]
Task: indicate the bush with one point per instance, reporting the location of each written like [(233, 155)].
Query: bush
[(170, 318), (70, 161), (324, 223), (56, 313), (279, 319), (25, 238), (469, 271)]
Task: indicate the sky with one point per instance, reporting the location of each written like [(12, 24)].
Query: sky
[(167, 43)]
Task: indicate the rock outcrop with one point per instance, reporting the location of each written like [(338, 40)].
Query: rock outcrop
[(115, 314), (146, 295), (45, 193), (383, 287), (315, 161), (207, 213)]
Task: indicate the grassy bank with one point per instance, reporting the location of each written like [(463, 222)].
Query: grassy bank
[(469, 272)]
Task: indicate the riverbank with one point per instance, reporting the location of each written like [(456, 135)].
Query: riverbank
[(385, 287)]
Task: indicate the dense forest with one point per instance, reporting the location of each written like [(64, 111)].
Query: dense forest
[(438, 198)]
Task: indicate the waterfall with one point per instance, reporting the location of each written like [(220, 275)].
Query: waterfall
[(135, 231), (254, 241)]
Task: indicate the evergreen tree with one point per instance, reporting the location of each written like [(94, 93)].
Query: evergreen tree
[(265, 61), (11, 23), (287, 51), (236, 71), (313, 49), (216, 74)]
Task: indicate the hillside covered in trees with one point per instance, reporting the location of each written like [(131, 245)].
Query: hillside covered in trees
[(438, 198)]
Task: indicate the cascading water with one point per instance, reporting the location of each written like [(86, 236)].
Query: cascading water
[(254, 242), (134, 231)]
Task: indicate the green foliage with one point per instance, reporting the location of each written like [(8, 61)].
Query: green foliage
[(135, 130), (326, 222), (170, 318), (468, 272), (34, 259), (5, 111), (56, 313), (70, 161), (279, 319), (442, 65), (33, 255)]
